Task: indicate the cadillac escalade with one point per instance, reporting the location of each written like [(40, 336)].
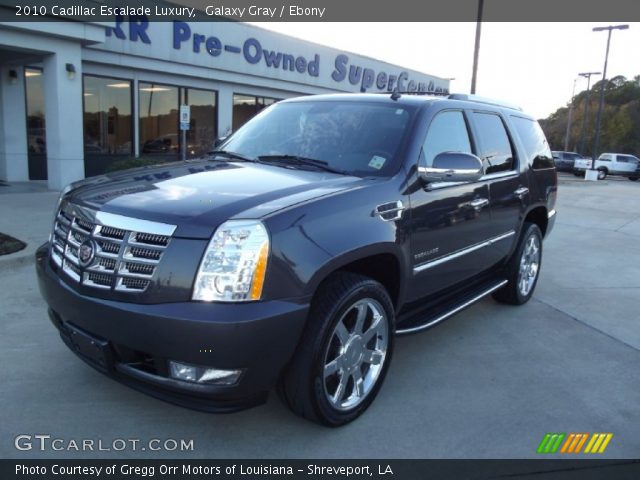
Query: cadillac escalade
[(294, 254)]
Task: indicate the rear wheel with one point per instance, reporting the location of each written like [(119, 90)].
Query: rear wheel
[(345, 351), (634, 179), (523, 268)]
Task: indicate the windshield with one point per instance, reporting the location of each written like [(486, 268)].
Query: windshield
[(357, 138)]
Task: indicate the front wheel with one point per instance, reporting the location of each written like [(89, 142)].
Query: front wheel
[(523, 268), (602, 174), (634, 179), (345, 351)]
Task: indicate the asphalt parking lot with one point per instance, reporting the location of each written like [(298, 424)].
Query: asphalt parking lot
[(488, 383)]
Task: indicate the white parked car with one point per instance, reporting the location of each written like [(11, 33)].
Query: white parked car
[(580, 165), (610, 164)]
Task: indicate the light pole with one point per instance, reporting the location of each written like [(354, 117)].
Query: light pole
[(610, 28), (566, 137), (476, 50), (586, 75)]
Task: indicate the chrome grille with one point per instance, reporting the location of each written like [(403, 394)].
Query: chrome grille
[(123, 259)]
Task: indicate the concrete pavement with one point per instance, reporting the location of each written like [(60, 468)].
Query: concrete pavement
[(488, 383), (26, 213)]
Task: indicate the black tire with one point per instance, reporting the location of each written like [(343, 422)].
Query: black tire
[(511, 293), (634, 179), (577, 174), (303, 386), (602, 173)]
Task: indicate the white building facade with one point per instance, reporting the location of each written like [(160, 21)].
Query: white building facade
[(77, 98)]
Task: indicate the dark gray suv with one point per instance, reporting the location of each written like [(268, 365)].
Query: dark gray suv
[(293, 255)]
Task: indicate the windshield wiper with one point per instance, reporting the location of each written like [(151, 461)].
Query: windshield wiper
[(231, 155), (296, 160)]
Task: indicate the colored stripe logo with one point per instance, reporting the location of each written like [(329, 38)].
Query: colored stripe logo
[(574, 443)]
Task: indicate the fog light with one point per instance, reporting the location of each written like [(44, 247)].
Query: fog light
[(196, 374), (181, 371)]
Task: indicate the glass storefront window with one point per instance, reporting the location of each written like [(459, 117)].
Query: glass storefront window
[(108, 127), (107, 116), (246, 106), (158, 119), (36, 130), (159, 127), (203, 129)]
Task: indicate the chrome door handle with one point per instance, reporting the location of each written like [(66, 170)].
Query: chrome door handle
[(521, 192), (479, 203)]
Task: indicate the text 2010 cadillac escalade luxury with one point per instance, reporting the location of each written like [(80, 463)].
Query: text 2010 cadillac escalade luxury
[(295, 253)]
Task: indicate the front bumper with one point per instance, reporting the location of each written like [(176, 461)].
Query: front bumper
[(137, 341)]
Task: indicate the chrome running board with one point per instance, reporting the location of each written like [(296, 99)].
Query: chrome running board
[(453, 311)]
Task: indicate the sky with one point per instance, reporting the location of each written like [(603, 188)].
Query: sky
[(532, 65)]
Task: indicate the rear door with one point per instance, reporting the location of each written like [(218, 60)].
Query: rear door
[(508, 190)]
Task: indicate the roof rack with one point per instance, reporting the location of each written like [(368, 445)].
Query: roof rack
[(395, 95), (489, 101)]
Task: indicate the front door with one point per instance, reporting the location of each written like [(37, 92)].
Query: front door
[(450, 222)]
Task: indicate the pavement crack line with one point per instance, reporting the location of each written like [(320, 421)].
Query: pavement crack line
[(591, 327), (628, 223)]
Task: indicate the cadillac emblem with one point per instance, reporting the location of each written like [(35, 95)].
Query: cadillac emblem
[(86, 252)]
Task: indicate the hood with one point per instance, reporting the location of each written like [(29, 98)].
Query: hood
[(197, 196)]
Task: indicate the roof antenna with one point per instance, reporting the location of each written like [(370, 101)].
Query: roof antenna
[(396, 94)]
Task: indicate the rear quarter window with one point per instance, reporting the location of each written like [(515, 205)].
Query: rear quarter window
[(534, 142)]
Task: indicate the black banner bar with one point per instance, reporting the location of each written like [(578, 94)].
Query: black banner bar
[(322, 10), (320, 469)]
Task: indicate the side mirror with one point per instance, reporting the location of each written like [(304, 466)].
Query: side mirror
[(452, 167), (219, 141)]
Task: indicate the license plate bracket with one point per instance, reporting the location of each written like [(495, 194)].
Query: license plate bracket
[(88, 347)]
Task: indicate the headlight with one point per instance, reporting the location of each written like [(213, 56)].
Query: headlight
[(234, 264)]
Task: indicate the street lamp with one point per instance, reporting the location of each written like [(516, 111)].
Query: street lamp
[(476, 50), (566, 137), (610, 28), (586, 75)]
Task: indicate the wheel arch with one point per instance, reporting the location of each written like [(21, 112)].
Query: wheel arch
[(380, 262), (538, 214)]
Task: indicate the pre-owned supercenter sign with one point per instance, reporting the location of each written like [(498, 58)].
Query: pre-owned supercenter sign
[(339, 70)]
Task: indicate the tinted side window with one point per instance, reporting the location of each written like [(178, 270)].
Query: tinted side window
[(627, 158), (496, 153), (447, 133), (535, 143)]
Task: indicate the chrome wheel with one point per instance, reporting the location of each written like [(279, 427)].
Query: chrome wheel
[(529, 265), (356, 353)]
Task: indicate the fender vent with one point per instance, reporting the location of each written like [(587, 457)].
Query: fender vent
[(390, 212)]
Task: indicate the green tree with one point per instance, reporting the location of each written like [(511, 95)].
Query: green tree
[(620, 130)]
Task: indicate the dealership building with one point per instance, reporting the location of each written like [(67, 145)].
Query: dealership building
[(76, 98)]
